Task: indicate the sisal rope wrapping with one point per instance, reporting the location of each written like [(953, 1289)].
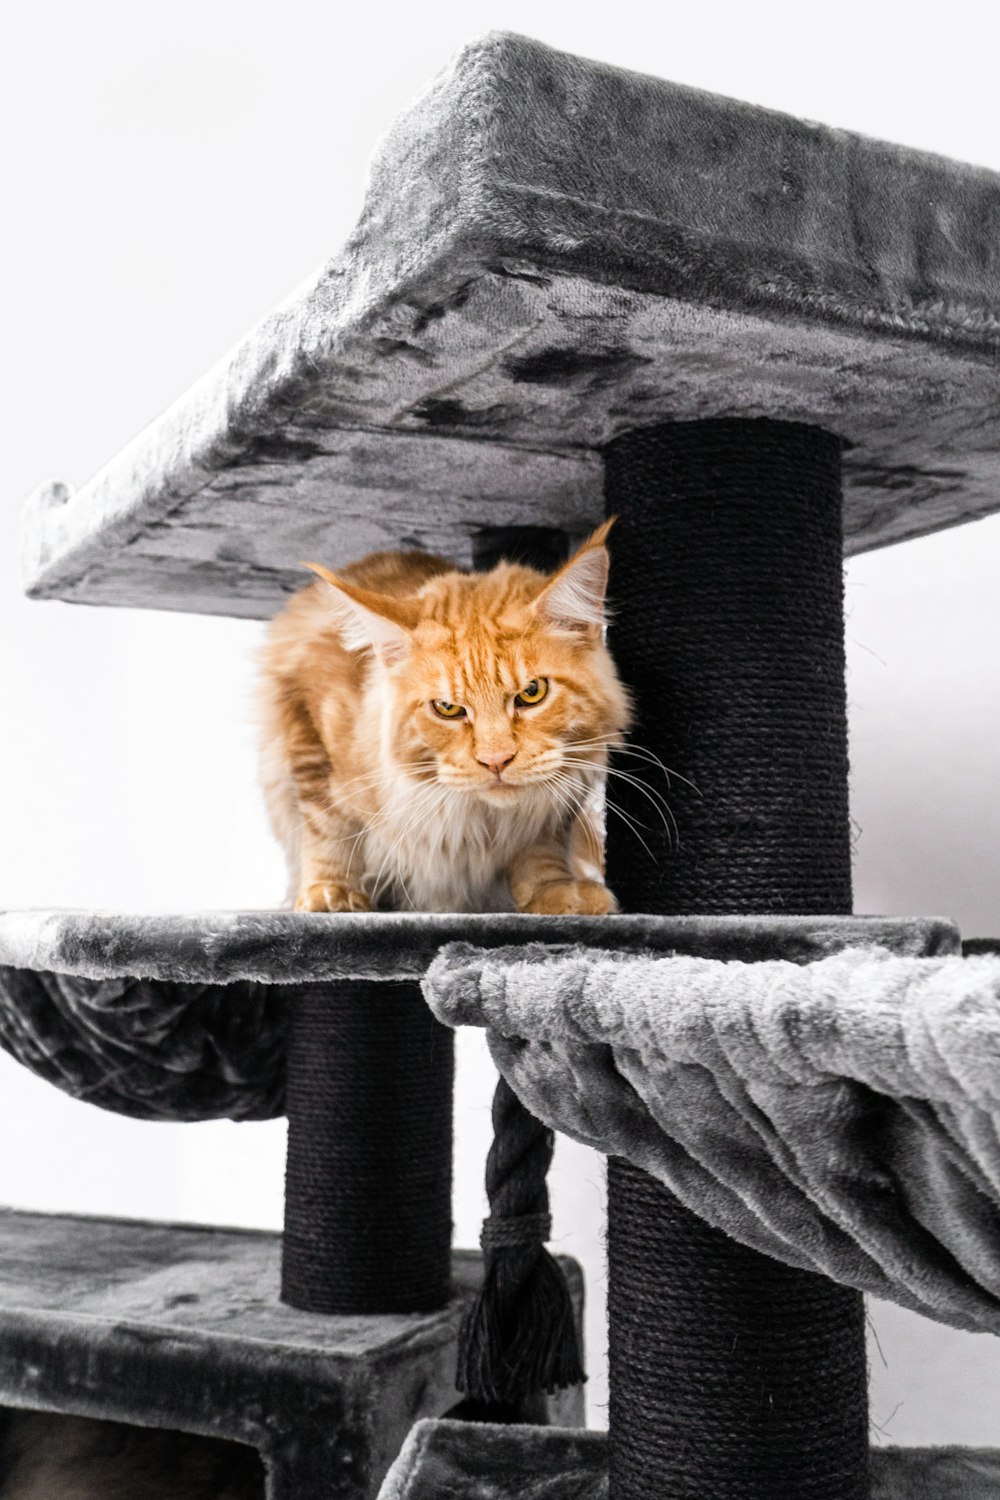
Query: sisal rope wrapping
[(727, 570), (368, 1177)]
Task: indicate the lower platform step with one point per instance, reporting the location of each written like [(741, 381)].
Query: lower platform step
[(454, 1460), (180, 1328)]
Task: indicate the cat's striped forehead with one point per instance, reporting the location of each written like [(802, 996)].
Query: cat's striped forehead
[(481, 640), (495, 605), (484, 672), (477, 636)]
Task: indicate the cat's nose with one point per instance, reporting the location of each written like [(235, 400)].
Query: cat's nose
[(496, 760)]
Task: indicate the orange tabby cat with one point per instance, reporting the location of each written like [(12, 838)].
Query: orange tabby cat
[(436, 740)]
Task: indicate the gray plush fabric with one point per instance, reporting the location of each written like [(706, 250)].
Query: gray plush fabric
[(151, 1049), (842, 1116), (180, 1327), (458, 1461), (552, 251), (444, 1460), (185, 1017), (284, 947)]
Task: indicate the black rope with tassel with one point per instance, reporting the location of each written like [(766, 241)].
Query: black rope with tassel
[(519, 1338)]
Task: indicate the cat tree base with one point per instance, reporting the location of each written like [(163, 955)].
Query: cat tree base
[(509, 1463), (180, 1327)]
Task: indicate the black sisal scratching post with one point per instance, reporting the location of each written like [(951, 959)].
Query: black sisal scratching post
[(731, 1376), (368, 1179)]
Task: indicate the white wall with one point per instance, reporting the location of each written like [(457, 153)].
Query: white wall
[(172, 172)]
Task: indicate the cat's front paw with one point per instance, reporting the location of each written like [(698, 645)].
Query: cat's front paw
[(562, 897), (329, 895)]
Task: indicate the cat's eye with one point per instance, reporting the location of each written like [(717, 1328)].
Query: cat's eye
[(447, 710), (536, 690)]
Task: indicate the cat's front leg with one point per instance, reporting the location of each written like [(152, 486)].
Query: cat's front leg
[(542, 881), (329, 894), (326, 880)]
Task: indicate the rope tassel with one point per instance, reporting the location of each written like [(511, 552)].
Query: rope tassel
[(519, 1337)]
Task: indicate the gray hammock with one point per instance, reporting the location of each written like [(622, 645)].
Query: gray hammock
[(841, 1116)]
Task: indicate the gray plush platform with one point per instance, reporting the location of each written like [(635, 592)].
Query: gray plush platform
[(180, 1327), (185, 1017), (283, 947), (450, 1461), (553, 251)]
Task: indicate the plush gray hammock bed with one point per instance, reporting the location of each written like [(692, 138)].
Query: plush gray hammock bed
[(837, 1110), (841, 1116)]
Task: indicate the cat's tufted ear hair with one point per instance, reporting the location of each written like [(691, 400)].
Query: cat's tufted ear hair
[(369, 621), (573, 598)]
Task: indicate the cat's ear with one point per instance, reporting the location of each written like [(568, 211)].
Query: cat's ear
[(573, 598), (367, 620)]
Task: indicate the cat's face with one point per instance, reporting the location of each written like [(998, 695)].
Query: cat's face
[(497, 703), (498, 684)]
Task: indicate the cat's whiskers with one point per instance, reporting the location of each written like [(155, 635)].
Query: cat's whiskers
[(640, 752), (563, 795), (630, 821), (636, 781), (375, 783), (575, 790), (654, 797), (364, 776)]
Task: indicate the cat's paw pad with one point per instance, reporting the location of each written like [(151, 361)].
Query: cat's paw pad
[(564, 897), (331, 896)]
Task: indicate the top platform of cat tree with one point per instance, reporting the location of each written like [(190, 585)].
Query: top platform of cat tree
[(552, 251)]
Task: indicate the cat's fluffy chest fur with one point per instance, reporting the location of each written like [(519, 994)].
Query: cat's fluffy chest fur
[(433, 740), (439, 853)]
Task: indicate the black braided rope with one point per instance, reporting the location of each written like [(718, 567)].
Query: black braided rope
[(519, 1338), (731, 1376), (520, 1335), (368, 1176)]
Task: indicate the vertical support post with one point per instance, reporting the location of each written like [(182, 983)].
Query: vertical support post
[(732, 1376), (368, 1175)]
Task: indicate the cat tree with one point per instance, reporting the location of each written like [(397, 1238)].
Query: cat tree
[(759, 343)]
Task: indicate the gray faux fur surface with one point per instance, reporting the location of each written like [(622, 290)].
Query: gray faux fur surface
[(443, 1460), (150, 1049), (841, 1116), (447, 1460), (553, 251), (185, 1017), (182, 1327), (284, 947)]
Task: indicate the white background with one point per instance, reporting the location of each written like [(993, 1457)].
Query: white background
[(172, 171)]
